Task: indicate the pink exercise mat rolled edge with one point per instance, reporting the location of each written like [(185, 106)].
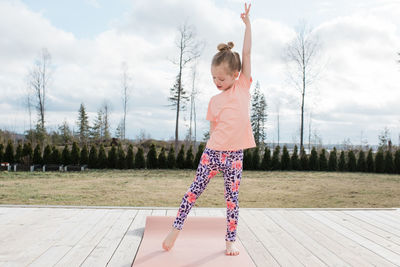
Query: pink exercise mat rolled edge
[(201, 242)]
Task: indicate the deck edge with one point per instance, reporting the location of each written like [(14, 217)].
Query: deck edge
[(165, 208)]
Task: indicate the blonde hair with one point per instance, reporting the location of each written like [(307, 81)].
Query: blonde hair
[(225, 55)]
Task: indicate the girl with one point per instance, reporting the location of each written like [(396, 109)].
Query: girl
[(230, 133)]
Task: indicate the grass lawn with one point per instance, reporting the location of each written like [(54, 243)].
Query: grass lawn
[(165, 188)]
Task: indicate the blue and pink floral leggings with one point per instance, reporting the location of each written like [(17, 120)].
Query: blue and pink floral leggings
[(211, 162)]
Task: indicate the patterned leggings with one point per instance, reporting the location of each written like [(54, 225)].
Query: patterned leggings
[(230, 163)]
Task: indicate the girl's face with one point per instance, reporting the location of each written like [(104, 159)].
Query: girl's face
[(222, 79)]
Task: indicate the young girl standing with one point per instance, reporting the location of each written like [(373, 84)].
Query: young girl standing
[(230, 133)]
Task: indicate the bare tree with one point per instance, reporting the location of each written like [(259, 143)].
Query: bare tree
[(277, 115), (193, 95), (38, 80), (309, 132), (83, 125), (65, 132), (258, 115), (301, 59), (189, 49), (106, 123), (384, 138), (125, 97)]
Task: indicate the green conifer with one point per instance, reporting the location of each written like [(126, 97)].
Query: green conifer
[(266, 161), (93, 158), (37, 155), (275, 163), (171, 158), (294, 160), (323, 162), (66, 156), (256, 158), (9, 154), (112, 157), (313, 162), (247, 159), (121, 162), (285, 160), (361, 162), (370, 161), (397, 161), (332, 164), (1, 152), (189, 158), (379, 161), (75, 154), (84, 155), (139, 159), (27, 153), (152, 157), (304, 164), (102, 162), (180, 159), (200, 150), (351, 163), (47, 154), (130, 163), (18, 154), (389, 166), (55, 156), (162, 159), (342, 162)]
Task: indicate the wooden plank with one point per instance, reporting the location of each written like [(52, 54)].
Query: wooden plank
[(158, 212), (203, 212), (11, 215), (290, 231), (383, 217), (254, 247), (22, 222), (86, 221), (324, 241), (103, 251), (26, 256), (376, 227), (217, 212), (393, 215), (369, 218), (37, 238), (82, 248), (126, 251), (353, 233), (276, 250), (172, 212)]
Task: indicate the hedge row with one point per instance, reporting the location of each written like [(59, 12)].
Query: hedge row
[(117, 158)]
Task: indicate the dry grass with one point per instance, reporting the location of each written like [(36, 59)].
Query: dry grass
[(165, 188)]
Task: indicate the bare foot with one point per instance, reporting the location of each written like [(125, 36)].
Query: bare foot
[(231, 248), (170, 239)]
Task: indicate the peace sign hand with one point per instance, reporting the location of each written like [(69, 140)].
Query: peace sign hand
[(245, 15)]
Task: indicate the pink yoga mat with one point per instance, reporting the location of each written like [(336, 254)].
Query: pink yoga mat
[(201, 242)]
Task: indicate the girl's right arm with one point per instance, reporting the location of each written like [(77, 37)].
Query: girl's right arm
[(246, 52)]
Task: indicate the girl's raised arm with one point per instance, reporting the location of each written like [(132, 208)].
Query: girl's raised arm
[(246, 52)]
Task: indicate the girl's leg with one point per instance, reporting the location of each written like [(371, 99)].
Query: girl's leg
[(232, 177), (206, 169)]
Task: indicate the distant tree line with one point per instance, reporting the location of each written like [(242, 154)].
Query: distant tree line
[(96, 157)]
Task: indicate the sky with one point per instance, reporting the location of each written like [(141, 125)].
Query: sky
[(354, 97)]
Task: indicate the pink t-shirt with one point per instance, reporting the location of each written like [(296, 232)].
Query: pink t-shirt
[(230, 111)]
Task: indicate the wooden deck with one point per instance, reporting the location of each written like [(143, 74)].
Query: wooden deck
[(110, 236)]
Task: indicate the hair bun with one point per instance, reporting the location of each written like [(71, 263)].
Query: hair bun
[(225, 47)]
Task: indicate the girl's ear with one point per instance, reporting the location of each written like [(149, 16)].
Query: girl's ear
[(236, 74)]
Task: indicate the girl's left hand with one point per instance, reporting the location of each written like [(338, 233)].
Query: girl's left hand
[(245, 15)]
